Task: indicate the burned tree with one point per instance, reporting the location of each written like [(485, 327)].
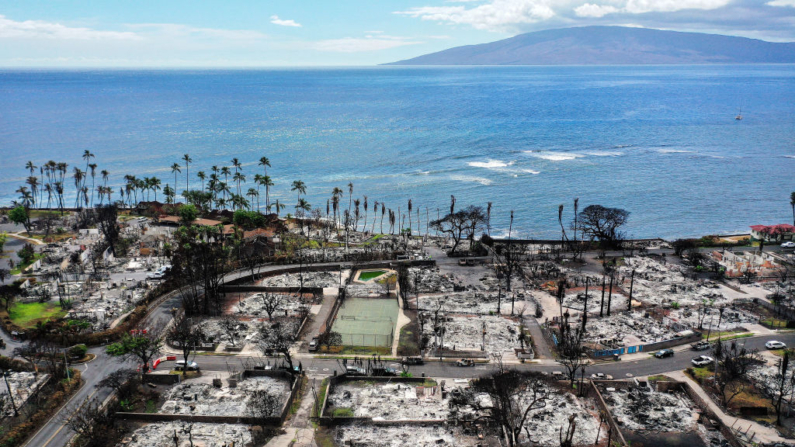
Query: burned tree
[(570, 348), (731, 374), (229, 325), (329, 339), (461, 224), (142, 346), (184, 335), (404, 284), (278, 338), (94, 425), (512, 397), (604, 224), (123, 382), (271, 302), (200, 262), (106, 222)]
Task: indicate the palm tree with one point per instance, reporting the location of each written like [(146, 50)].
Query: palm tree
[(201, 176), (169, 193), (30, 167), (48, 189), (87, 156), (239, 177), (279, 207), (59, 191), (383, 210), (409, 216), (792, 203), (186, 158), (253, 193), (93, 167), (155, 185), (375, 216), (225, 171), (300, 209), (365, 213), (300, 187), (78, 176), (452, 204), (105, 175), (33, 182), (488, 218), (265, 163), (350, 196), (175, 168)]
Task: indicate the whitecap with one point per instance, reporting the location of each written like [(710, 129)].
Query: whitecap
[(490, 164), (673, 151), (466, 178), (604, 153), (554, 156), (530, 171), (789, 156)]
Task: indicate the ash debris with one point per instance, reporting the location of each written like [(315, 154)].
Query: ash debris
[(402, 436), (254, 305), (204, 399), (23, 385), (391, 401), (663, 284), (641, 408), (311, 279), (632, 328), (490, 333), (543, 425), (161, 434), (479, 303)]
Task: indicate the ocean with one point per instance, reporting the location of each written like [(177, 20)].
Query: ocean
[(659, 141)]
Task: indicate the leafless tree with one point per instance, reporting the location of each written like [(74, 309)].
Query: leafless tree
[(272, 302), (278, 337), (94, 426), (513, 395), (230, 326), (185, 336), (571, 349)]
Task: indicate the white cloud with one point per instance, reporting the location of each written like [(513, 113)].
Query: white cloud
[(591, 10), (357, 45), (177, 30), (496, 15), (642, 6), (277, 21), (782, 3), (32, 29)]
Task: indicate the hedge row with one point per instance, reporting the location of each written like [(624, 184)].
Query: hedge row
[(20, 432)]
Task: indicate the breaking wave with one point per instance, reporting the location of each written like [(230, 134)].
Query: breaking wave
[(466, 178), (490, 164), (554, 156)]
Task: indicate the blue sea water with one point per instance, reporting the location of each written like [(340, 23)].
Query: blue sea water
[(661, 142)]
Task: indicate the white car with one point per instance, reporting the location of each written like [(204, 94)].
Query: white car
[(702, 360), (788, 245), (775, 344), (180, 365)]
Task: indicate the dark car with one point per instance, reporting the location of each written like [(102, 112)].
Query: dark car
[(664, 353), (415, 360), (701, 346)]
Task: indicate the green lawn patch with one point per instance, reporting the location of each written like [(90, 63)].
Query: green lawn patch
[(366, 276), (366, 350), (22, 266), (321, 396), (658, 378), (342, 412), (26, 315)]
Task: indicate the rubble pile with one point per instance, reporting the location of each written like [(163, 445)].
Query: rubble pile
[(576, 301), (247, 331), (629, 329), (311, 279), (23, 385), (204, 399), (401, 436), (479, 303), (161, 434), (390, 401), (660, 284), (253, 305), (543, 425), (429, 280), (105, 304), (732, 318), (765, 377), (469, 333), (641, 408)]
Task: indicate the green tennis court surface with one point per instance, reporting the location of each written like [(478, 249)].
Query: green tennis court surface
[(367, 321)]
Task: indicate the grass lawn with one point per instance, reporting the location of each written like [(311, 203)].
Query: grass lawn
[(780, 352), (27, 314), (321, 396), (344, 412), (729, 335), (20, 267), (366, 350), (366, 276)]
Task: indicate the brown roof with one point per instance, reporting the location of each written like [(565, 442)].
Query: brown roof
[(263, 232)]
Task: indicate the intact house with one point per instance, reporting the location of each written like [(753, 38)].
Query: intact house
[(773, 233)]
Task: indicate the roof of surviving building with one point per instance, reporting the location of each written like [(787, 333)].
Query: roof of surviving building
[(780, 228)]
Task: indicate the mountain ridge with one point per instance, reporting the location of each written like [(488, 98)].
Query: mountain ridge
[(612, 45)]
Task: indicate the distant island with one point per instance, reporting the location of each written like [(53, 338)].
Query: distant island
[(612, 45)]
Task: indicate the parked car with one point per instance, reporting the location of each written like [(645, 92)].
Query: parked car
[(664, 353), (313, 344), (415, 360), (159, 273), (462, 262), (701, 346), (789, 244), (465, 362), (702, 360), (385, 372), (775, 344), (355, 371), (180, 365)]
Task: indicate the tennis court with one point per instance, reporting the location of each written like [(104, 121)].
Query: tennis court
[(367, 321)]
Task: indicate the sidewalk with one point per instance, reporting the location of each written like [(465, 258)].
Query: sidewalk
[(299, 431), (749, 431)]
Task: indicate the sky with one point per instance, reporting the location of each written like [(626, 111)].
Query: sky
[(273, 33)]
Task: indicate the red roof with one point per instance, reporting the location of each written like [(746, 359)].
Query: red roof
[(774, 229)]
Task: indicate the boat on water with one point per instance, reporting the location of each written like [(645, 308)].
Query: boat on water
[(739, 116)]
